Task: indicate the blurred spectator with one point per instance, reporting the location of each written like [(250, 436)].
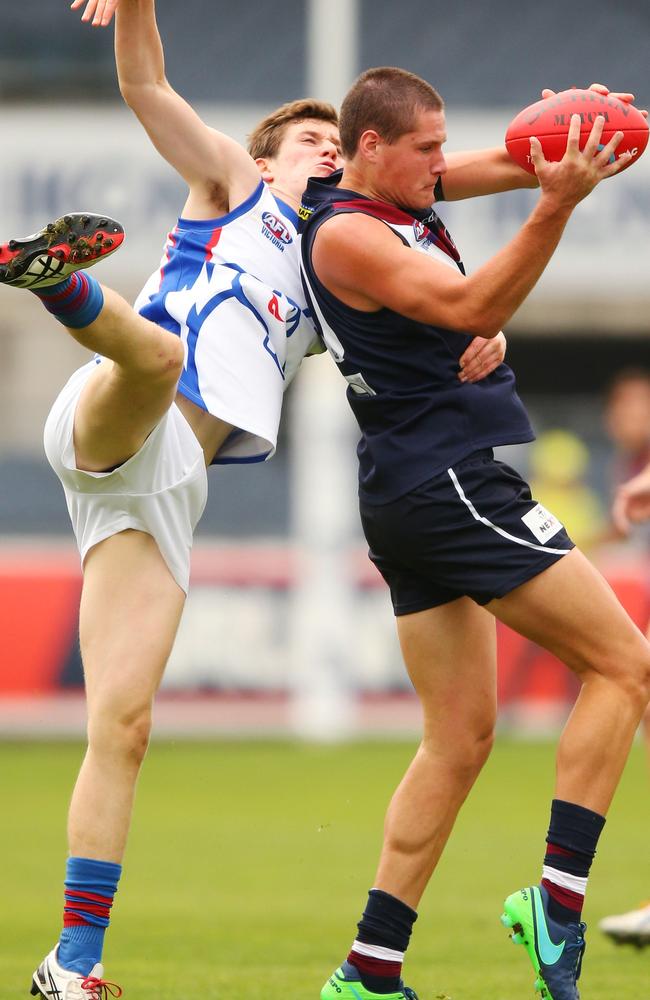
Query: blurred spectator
[(627, 419), (627, 422), (632, 504), (559, 462)]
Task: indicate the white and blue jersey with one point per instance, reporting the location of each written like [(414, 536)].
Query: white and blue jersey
[(230, 288)]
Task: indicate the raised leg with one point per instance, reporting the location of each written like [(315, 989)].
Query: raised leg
[(126, 396), (131, 390)]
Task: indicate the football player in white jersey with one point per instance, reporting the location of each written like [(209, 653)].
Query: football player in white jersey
[(131, 433), (131, 449)]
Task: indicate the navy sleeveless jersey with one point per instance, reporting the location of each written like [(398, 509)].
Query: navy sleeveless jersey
[(416, 417)]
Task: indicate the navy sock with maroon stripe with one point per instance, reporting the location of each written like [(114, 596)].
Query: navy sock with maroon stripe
[(384, 933), (89, 890), (570, 848)]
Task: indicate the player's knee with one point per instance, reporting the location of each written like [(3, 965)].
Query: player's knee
[(121, 734), (473, 751), (635, 677), (162, 365), (135, 737), (465, 756), (630, 673), (169, 360), (484, 745), (641, 678)]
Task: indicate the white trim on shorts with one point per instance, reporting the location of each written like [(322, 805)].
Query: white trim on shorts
[(500, 531)]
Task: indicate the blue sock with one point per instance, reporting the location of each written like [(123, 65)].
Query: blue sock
[(76, 301), (89, 889)]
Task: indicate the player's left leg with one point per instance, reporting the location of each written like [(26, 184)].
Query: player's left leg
[(130, 610), (450, 654), (126, 634), (570, 610)]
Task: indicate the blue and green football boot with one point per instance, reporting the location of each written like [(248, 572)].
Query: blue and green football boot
[(555, 949), (345, 984)]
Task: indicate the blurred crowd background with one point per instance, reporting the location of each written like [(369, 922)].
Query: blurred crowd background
[(579, 347)]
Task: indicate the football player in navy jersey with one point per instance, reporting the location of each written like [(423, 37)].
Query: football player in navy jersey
[(456, 534)]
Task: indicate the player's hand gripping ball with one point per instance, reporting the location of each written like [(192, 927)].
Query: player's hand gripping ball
[(549, 120)]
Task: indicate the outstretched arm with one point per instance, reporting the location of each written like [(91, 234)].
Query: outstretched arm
[(361, 261), (476, 172), (219, 172)]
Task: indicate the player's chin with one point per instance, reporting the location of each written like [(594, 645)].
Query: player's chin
[(423, 198)]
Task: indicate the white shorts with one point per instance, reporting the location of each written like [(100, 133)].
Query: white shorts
[(161, 490)]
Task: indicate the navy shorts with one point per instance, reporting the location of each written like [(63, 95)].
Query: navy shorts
[(474, 531)]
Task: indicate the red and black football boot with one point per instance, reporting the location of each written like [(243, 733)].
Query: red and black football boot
[(72, 243)]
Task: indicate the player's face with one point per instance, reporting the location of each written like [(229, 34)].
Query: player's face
[(407, 170), (309, 148)]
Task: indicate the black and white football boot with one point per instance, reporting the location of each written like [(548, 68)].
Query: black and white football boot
[(52, 982), (72, 243)]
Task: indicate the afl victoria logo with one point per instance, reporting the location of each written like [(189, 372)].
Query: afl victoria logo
[(420, 230), (276, 227)]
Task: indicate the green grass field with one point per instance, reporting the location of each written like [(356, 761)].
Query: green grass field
[(248, 867)]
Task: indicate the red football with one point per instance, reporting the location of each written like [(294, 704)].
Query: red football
[(549, 120)]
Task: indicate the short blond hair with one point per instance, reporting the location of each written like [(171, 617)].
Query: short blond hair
[(266, 138)]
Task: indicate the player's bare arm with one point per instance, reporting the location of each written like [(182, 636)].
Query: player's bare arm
[(477, 172), (365, 264), (219, 172)]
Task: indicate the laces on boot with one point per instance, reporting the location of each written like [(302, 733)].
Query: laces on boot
[(581, 944), (100, 989)]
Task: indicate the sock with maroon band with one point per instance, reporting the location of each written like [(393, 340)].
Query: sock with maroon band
[(89, 889), (384, 933), (570, 848)]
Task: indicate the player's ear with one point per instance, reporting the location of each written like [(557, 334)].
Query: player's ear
[(265, 167), (368, 143)]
